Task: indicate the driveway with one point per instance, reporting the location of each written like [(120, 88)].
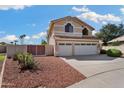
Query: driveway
[(100, 70)]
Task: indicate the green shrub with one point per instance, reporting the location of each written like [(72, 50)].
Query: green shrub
[(102, 51), (114, 52), (20, 57), (16, 56), (26, 61)]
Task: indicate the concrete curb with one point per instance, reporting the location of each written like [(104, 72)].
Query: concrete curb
[(2, 71)]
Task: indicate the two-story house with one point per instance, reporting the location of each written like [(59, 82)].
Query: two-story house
[(71, 36)]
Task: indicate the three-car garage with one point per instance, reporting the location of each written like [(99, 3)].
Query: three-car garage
[(73, 49)]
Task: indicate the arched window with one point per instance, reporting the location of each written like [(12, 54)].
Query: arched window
[(85, 31), (68, 28)]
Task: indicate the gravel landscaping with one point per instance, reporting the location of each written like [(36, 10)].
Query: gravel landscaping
[(1, 63), (52, 72)]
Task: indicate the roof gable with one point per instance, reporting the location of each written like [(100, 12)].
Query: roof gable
[(75, 19), (69, 18)]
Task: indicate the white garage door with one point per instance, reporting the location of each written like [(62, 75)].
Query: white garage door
[(65, 49), (85, 49)]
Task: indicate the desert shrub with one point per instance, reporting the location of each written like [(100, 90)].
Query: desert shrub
[(16, 56), (102, 51), (26, 61), (114, 52)]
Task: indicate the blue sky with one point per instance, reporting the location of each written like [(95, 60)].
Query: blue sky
[(34, 20)]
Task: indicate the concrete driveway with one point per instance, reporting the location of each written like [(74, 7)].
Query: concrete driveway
[(100, 70)]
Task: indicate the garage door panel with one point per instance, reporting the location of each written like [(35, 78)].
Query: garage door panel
[(65, 50), (85, 49), (79, 50), (68, 49)]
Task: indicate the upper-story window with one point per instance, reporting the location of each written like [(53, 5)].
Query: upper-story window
[(85, 31), (68, 28)]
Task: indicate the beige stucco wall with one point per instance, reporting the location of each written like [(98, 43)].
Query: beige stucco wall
[(59, 27), (2, 49), (52, 42), (65, 21), (90, 33), (12, 49), (78, 29), (62, 29), (60, 22), (76, 24), (49, 50)]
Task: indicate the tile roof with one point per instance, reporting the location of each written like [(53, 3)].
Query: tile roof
[(121, 38), (68, 37)]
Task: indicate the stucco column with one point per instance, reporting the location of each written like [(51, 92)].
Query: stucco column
[(98, 48), (72, 49), (56, 49)]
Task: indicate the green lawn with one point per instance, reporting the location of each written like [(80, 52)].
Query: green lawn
[(2, 57)]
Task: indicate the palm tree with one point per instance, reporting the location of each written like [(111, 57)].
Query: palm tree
[(43, 42), (15, 41), (22, 38), (11, 43)]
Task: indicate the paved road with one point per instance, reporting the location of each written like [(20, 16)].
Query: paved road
[(100, 70)]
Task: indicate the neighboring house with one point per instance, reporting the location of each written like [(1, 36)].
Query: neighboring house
[(118, 44), (71, 36), (118, 39)]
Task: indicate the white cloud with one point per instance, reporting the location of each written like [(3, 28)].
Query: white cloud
[(35, 36), (94, 32), (8, 38), (39, 35), (27, 38), (14, 7), (98, 18), (104, 22), (83, 9), (43, 34), (122, 10)]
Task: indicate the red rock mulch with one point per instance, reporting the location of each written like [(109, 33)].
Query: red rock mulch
[(1, 63), (53, 73)]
